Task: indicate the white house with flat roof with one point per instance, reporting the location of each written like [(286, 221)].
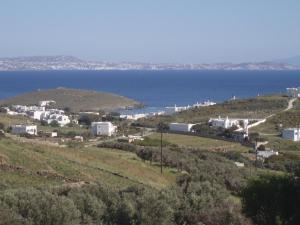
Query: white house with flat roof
[(62, 120), (224, 122), (292, 134), (103, 128), (37, 115), (181, 127), (24, 129)]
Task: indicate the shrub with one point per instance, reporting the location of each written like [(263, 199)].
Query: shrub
[(2, 126), (41, 207)]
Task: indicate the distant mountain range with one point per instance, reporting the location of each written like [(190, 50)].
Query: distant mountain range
[(73, 63)]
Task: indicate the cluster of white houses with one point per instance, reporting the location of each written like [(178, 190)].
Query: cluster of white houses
[(97, 129), (49, 115), (196, 105), (226, 123), (41, 113)]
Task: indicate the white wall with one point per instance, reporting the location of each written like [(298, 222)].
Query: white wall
[(181, 127)]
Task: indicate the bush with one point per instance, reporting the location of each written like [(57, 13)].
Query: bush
[(273, 200), (2, 126), (54, 123), (118, 145), (41, 207), (151, 142)]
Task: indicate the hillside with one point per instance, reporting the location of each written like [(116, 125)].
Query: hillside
[(36, 165), (76, 100), (255, 108), (72, 63)]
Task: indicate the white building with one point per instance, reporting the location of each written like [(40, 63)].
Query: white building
[(239, 164), (62, 120), (203, 104), (46, 102), (24, 129), (19, 108), (266, 154), (37, 115), (56, 111), (103, 128), (291, 134), (181, 127), (133, 116), (35, 108), (293, 92), (224, 122)]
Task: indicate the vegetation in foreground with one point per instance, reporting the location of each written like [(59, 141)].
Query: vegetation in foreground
[(120, 183), (211, 191), (206, 193)]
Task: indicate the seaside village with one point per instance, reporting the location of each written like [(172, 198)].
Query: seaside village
[(54, 119)]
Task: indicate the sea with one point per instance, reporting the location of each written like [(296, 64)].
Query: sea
[(155, 89)]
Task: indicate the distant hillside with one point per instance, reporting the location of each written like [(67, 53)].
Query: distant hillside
[(72, 63), (256, 108), (76, 100)]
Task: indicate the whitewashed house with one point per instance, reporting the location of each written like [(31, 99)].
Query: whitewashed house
[(181, 127), (293, 92), (37, 115), (56, 111), (292, 134), (35, 108), (24, 129), (103, 128), (62, 120), (19, 108), (133, 116), (46, 103), (224, 122), (203, 104)]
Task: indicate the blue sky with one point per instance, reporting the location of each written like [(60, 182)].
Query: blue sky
[(185, 31)]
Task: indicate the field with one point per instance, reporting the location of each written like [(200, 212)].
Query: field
[(201, 142), (24, 164), (75, 100)]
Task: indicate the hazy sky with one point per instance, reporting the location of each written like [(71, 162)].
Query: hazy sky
[(186, 31)]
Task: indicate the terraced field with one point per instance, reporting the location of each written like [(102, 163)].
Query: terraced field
[(24, 164)]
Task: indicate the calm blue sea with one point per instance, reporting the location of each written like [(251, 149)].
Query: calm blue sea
[(155, 88)]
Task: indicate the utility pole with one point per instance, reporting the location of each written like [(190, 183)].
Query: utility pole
[(161, 156), (256, 155), (161, 127)]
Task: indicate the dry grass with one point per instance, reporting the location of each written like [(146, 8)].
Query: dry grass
[(201, 142), (113, 167)]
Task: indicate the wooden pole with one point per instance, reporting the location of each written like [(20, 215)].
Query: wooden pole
[(161, 159)]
